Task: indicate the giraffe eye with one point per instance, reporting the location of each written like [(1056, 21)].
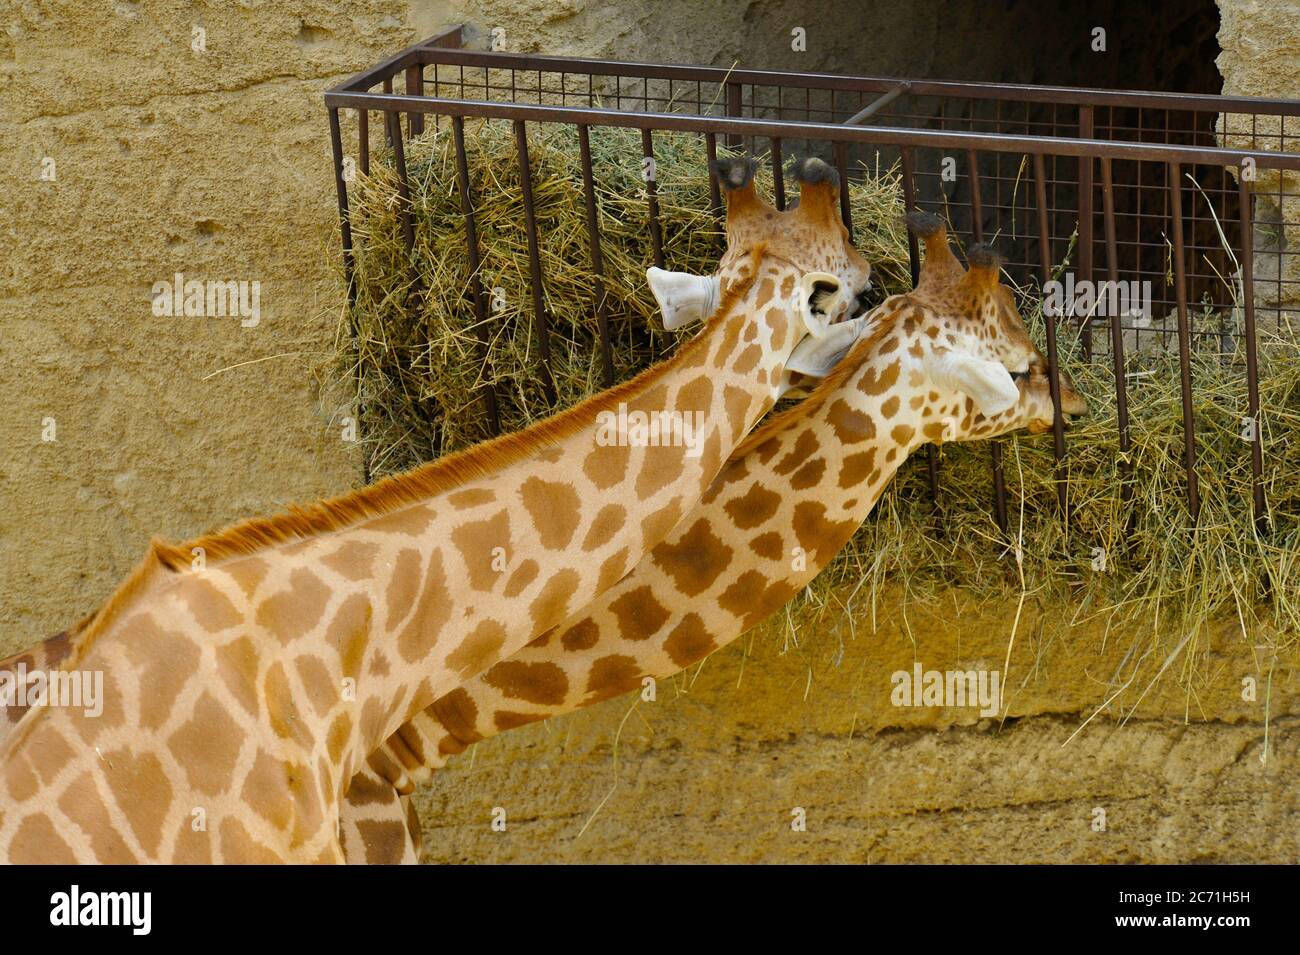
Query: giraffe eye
[(1020, 375), (862, 303)]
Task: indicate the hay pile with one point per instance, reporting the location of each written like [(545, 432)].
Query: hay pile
[(414, 361), (416, 356)]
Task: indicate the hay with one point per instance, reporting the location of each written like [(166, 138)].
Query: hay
[(416, 355), (414, 361)]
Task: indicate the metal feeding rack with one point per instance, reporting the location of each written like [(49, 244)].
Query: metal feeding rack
[(1187, 192)]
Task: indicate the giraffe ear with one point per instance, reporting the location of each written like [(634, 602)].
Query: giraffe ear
[(987, 383), (682, 297), (822, 300), (815, 357)]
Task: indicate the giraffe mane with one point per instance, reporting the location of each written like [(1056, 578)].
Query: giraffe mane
[(391, 493)]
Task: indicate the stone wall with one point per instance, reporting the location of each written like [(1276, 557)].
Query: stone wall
[(1260, 56), (712, 769), (213, 164)]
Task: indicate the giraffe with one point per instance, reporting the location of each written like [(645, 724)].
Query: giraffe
[(950, 361), (252, 670)]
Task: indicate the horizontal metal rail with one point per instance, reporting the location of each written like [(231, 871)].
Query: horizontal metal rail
[(443, 50), (830, 132)]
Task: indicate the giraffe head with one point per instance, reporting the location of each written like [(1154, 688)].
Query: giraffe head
[(808, 240), (958, 345), (973, 346)]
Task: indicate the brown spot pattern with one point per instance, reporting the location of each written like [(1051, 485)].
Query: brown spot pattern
[(851, 426), (581, 636), (768, 545), (754, 507), (695, 560), (479, 650), (689, 641), (808, 475), (354, 560), (471, 497), (212, 610), (609, 519), (432, 612), (639, 614), (607, 466), (522, 576), (552, 604), (207, 746), (476, 542), (612, 675), (403, 586), (804, 447), (542, 683), (292, 613), (554, 508), (855, 468)]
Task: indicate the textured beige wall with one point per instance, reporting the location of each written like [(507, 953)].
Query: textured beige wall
[(711, 770), (1260, 41), (217, 165), (212, 164)]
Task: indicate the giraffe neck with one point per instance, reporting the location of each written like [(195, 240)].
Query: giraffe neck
[(294, 660), (779, 510)]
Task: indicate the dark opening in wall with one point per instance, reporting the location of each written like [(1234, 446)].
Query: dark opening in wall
[(1166, 46)]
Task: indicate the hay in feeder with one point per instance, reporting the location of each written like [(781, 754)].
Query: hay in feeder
[(410, 350), (411, 343)]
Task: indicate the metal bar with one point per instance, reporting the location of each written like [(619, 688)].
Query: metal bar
[(733, 109), (393, 121), (1116, 335), (715, 194), (909, 203), (597, 260), (778, 174), (976, 201), (534, 264), (415, 87), (341, 188), (830, 81), (1049, 326), (1245, 198), (363, 140), (390, 67), (1085, 223), (652, 198), (349, 263), (388, 127), (830, 132), (999, 485), (995, 446), (1184, 342), (489, 397), (879, 103), (452, 38), (842, 165), (914, 260)]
